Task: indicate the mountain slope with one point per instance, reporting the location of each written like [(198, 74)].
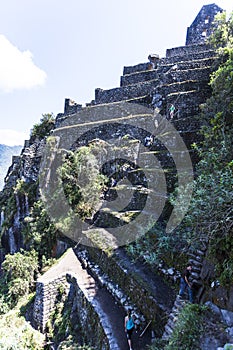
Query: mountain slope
[(6, 153)]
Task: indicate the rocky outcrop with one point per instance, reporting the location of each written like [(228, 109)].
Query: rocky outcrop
[(19, 193), (6, 153)]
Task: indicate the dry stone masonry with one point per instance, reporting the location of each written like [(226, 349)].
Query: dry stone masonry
[(180, 79), (202, 26)]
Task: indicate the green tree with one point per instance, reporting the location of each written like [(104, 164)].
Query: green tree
[(19, 273), (39, 231), (223, 32), (43, 129), (82, 181)]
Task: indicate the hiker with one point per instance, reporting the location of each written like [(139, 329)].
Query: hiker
[(153, 60), (129, 327), (148, 141), (172, 111), (186, 284)]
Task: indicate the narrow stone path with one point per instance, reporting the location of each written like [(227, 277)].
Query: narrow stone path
[(111, 314), (157, 285), (116, 315)]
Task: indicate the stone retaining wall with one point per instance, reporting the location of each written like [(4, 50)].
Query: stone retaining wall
[(124, 92), (184, 50), (46, 295), (94, 332), (134, 69), (138, 77)]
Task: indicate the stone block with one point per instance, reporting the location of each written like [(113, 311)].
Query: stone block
[(227, 317)]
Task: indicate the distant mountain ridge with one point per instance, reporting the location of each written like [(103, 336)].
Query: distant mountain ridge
[(6, 153)]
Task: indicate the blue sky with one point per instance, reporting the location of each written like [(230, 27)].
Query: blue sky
[(54, 49)]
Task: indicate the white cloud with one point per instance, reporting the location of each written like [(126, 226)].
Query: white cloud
[(12, 137), (17, 69)]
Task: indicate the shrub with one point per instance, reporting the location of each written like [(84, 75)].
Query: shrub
[(43, 128), (188, 329), (82, 181), (19, 272)]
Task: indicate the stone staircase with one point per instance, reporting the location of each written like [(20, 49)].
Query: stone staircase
[(181, 78), (196, 260), (182, 65), (173, 317)]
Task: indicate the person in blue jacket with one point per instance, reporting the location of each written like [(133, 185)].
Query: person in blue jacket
[(129, 327)]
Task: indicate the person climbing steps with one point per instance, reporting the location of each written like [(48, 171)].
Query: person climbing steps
[(129, 327), (186, 284), (172, 111)]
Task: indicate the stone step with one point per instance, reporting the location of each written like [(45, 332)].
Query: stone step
[(138, 77), (170, 323), (175, 313), (134, 85), (185, 65), (188, 124), (141, 67), (198, 69), (125, 92), (187, 50), (195, 275), (173, 317), (178, 87), (200, 252), (168, 330), (188, 57), (179, 54), (199, 74), (197, 282), (196, 269), (179, 303), (195, 263), (195, 257), (185, 108)]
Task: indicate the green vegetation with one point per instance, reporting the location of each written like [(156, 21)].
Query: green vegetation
[(58, 325), (44, 127), (16, 333), (82, 182), (223, 33), (188, 329), (18, 278), (69, 344), (187, 332), (211, 212), (39, 232), (28, 189)]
